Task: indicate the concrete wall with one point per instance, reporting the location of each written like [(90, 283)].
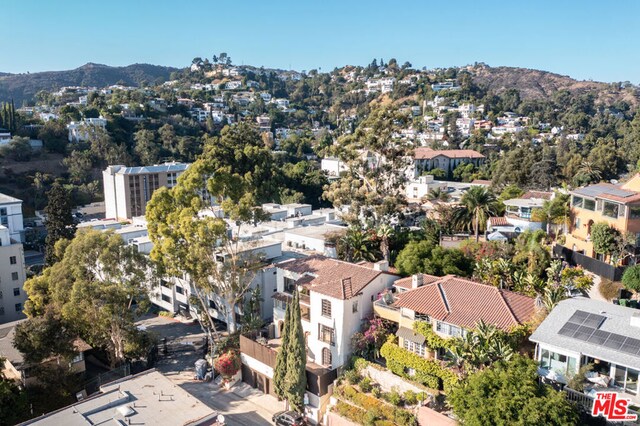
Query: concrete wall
[(387, 380)]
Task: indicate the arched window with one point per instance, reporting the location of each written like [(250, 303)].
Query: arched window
[(326, 356)]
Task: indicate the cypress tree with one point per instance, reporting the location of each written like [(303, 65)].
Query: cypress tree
[(296, 378), (280, 369)]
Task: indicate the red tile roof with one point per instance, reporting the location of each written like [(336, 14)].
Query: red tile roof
[(464, 303), (331, 277), (406, 282), (423, 153), (499, 221)]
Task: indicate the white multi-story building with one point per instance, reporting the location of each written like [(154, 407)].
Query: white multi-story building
[(335, 298), (128, 189), (80, 131), (12, 277), (11, 216)]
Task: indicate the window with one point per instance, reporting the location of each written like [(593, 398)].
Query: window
[(627, 379), (326, 334), (14, 276), (561, 364), (179, 290), (414, 347), (16, 291), (77, 358), (165, 283), (354, 307), (326, 308), (166, 298), (281, 305), (589, 204), (326, 356), (577, 201), (634, 212), (13, 260), (18, 307), (610, 209), (289, 285)]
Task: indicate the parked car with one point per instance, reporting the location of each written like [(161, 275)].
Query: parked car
[(288, 418)]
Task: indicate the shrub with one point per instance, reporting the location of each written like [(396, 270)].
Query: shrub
[(369, 419), (228, 364), (429, 372), (165, 314), (376, 392), (368, 403), (404, 418), (394, 397), (349, 411), (353, 377), (609, 289), (365, 385), (410, 397), (631, 278)]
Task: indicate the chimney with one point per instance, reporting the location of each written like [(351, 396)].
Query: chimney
[(381, 265), (416, 280), (330, 251), (347, 290)]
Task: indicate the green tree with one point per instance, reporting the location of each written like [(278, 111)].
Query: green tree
[(425, 257), (510, 393), (98, 287), (437, 195), (295, 379), (357, 245), (477, 205), (280, 369), (146, 147), (14, 403), (41, 337), (59, 221), (631, 278), (604, 238), (555, 211)]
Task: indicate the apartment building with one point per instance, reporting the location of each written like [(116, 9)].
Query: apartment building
[(617, 205), (128, 189), (427, 159), (11, 216), (80, 130), (12, 277)]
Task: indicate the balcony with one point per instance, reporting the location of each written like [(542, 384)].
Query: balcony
[(386, 311)]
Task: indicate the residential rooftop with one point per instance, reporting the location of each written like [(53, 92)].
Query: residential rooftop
[(618, 320), (7, 199), (158, 168), (147, 398), (625, 193), (424, 153), (464, 303)]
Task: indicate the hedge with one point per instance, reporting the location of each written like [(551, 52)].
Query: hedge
[(429, 372), (360, 364), (432, 340)]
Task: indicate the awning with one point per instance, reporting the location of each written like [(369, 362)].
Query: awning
[(408, 334)]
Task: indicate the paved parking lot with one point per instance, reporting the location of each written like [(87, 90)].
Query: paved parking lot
[(241, 406)]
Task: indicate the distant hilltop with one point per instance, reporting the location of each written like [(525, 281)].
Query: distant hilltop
[(531, 84), (25, 86)]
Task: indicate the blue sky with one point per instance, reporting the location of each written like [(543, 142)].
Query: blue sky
[(584, 39)]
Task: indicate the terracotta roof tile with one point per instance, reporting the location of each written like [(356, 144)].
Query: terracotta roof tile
[(331, 277), (464, 303), (499, 221), (406, 282), (423, 153)]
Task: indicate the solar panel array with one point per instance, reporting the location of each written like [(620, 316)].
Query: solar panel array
[(584, 326), (596, 190)]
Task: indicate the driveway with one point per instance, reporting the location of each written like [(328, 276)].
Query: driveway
[(242, 405)]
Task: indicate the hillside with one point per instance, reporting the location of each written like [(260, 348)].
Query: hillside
[(536, 84), (24, 86)]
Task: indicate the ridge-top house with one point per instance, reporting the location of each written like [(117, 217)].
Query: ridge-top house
[(452, 305), (335, 298), (426, 159)]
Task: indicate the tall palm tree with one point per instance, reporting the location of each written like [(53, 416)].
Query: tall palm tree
[(478, 204), (590, 171), (357, 244), (384, 232)]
